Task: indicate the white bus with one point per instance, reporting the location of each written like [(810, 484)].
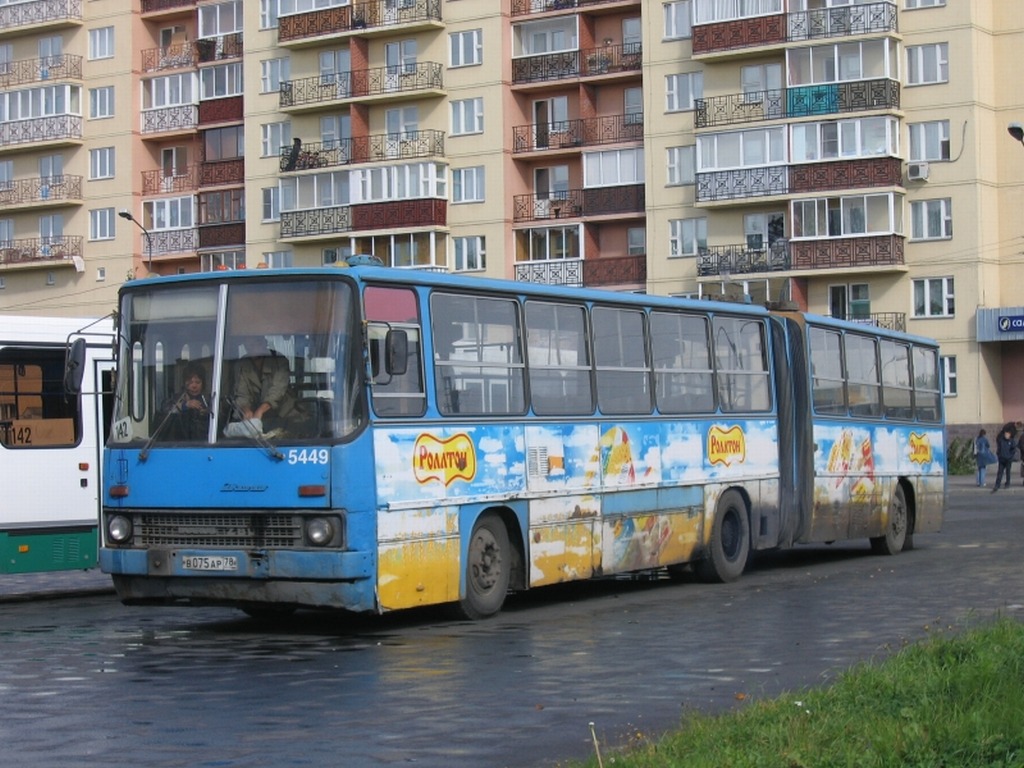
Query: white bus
[(51, 441)]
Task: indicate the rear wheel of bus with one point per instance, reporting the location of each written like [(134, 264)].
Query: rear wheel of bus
[(729, 545), (896, 527), (488, 569)]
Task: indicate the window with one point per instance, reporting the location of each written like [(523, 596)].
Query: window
[(828, 383), (101, 163), (273, 72), (31, 388), (633, 106), (947, 364), (686, 237), (681, 165), (620, 360), (168, 91), (742, 149), (636, 241), (467, 116), (708, 11), (558, 355), (931, 219), (101, 43), (613, 167), (860, 137), (741, 364), (896, 382), (469, 254), (224, 143), (929, 141), (101, 224), (925, 3), (466, 47), (220, 19), (677, 20), (169, 213), (211, 262), (274, 137), (862, 381), (277, 259), (222, 207), (468, 185), (849, 215), (933, 297), (928, 64), (101, 102), (681, 355), (927, 395), (682, 89), (221, 81), (271, 204)]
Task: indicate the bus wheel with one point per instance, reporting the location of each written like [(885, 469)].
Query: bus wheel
[(895, 537), (487, 569), (727, 552)]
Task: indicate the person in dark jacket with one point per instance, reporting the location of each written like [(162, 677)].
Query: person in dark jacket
[(1006, 446), (982, 454)]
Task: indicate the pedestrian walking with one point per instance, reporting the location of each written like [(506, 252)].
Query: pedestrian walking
[(1006, 447), (983, 456), (1020, 455)]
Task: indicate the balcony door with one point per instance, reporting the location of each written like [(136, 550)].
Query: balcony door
[(849, 302), (336, 69), (173, 165), (551, 187), (399, 59), (550, 116)]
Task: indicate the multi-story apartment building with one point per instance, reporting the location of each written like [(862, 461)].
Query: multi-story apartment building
[(851, 157)]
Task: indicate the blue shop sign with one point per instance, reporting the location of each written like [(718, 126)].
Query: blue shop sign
[(1011, 323)]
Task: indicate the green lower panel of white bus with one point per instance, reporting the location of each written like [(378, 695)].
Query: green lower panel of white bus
[(48, 550)]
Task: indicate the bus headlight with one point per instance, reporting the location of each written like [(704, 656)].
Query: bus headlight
[(119, 529), (319, 531)]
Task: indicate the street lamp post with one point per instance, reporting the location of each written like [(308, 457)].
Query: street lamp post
[(126, 214), (1016, 130)]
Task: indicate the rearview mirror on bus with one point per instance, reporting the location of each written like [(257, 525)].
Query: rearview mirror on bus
[(396, 344), (74, 367)]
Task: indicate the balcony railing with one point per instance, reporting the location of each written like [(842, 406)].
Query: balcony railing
[(381, 81), (41, 189), (220, 172), (580, 63), (358, 17), (219, 48), (152, 6), (316, 221), (554, 272), (741, 183), (585, 132), (63, 67), (523, 7), (758, 31), (362, 149), (179, 56), (400, 214), (40, 250), (184, 117), (894, 321), (227, 109), (614, 270), (42, 129), (222, 234), (39, 12), (573, 203), (798, 101), (167, 241), (157, 182), (847, 252), (742, 259), (826, 176)]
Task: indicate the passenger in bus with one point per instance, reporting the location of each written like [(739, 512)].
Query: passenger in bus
[(263, 395), (192, 407)]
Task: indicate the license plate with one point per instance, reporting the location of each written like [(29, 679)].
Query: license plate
[(209, 562)]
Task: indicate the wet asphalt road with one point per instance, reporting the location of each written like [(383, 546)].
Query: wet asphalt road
[(85, 681)]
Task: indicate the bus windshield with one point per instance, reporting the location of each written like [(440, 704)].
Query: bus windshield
[(237, 363)]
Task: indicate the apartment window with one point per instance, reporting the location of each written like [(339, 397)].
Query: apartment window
[(101, 224), (101, 43), (925, 3), (467, 116), (101, 274), (742, 149), (682, 89), (271, 204), (51, 227), (224, 143), (933, 297), (931, 219), (928, 64), (682, 162), (613, 167), (211, 262), (273, 72), (469, 254), (274, 136), (929, 141), (220, 19), (947, 369), (221, 81), (101, 102), (337, 255), (169, 213), (687, 237), (860, 137), (101, 163), (168, 91), (677, 20), (709, 11), (278, 259), (468, 185), (466, 48), (222, 207), (636, 241), (849, 215)]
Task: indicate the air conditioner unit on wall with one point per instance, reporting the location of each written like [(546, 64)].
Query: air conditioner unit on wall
[(917, 171)]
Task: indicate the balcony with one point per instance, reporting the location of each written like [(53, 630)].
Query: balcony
[(315, 222), (741, 259), (167, 7), (48, 68), (158, 182), (574, 203), (325, 91), (614, 270), (567, 272), (848, 252), (222, 234), (362, 149), (524, 7), (799, 101), (586, 132), (365, 19), (219, 48), (398, 214), (39, 15), (40, 251), (591, 62), (222, 172), (760, 31), (183, 118), (742, 183), (174, 241), (894, 321), (181, 56), (59, 129), (47, 190), (228, 109)]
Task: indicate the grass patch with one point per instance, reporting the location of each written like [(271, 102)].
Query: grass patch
[(953, 701)]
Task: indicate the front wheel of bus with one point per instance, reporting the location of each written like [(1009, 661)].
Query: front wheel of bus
[(729, 546), (487, 569), (895, 538)]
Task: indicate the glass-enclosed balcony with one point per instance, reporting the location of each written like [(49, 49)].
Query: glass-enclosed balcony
[(368, 18), (325, 91), (585, 132)]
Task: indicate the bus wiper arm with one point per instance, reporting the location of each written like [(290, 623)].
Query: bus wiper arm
[(257, 437), (144, 453)]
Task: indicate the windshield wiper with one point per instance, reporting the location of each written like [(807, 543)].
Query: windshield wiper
[(251, 432), (172, 411)]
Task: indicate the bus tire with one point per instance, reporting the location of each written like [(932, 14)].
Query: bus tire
[(729, 545), (488, 569), (896, 526)]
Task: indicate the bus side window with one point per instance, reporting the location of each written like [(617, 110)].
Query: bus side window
[(827, 379), (681, 354), (34, 411), (896, 382), (927, 395), (559, 359), (862, 376), (741, 365), (620, 359)]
